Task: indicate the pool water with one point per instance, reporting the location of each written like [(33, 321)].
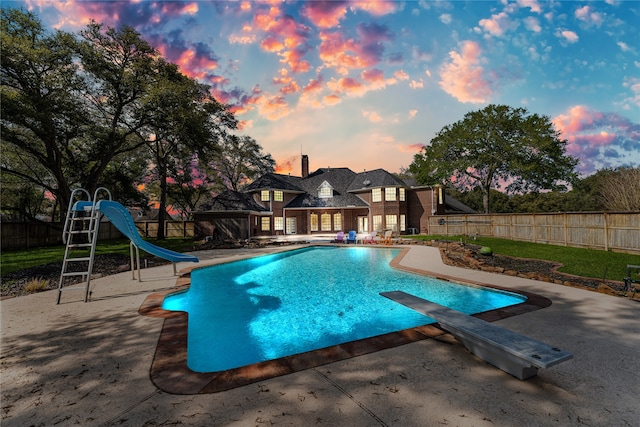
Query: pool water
[(277, 305)]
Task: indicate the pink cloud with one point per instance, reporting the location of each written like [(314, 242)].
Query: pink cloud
[(577, 119), (372, 116), (285, 36), (588, 16), (288, 84), (325, 14), (497, 25), (373, 76), (567, 36), (273, 107), (287, 165), (347, 53), (346, 84), (314, 85), (328, 14), (463, 77), (293, 58), (331, 100), (531, 4), (337, 52), (598, 139), (401, 75), (376, 8), (270, 44)]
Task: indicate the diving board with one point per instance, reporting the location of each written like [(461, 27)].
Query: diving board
[(510, 351)]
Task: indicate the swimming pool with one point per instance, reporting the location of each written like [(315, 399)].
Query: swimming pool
[(276, 305)]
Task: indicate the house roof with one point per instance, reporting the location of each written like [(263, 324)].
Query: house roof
[(367, 180), (454, 205), (338, 178), (276, 181), (230, 200)]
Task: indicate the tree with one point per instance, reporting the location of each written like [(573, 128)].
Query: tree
[(619, 189), (190, 187), (183, 118), (42, 114), (241, 160), (118, 68), (494, 147), (70, 105)]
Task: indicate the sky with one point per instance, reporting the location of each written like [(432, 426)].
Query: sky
[(365, 85)]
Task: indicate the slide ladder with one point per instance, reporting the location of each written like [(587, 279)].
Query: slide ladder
[(80, 235)]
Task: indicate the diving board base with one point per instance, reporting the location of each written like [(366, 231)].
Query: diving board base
[(509, 351), (493, 355)]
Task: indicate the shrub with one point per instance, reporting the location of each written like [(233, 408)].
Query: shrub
[(36, 285)]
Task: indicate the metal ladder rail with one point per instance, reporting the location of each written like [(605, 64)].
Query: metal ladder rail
[(78, 223), (74, 225), (94, 226)]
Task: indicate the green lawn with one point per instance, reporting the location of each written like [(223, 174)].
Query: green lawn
[(577, 261), (18, 260)]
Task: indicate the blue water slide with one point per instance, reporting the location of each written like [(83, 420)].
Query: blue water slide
[(121, 219)]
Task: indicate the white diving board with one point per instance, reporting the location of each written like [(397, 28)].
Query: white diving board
[(510, 351)]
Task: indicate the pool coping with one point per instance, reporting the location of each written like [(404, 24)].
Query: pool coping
[(170, 373)]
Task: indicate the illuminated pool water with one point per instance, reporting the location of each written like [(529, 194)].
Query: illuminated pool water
[(277, 305)]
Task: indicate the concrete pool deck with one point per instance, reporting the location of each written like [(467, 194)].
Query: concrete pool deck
[(89, 364)]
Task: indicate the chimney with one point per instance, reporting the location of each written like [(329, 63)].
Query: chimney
[(305, 166)]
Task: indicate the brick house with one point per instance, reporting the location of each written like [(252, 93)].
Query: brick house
[(323, 202)]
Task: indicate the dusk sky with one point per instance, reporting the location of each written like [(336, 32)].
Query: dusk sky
[(365, 85)]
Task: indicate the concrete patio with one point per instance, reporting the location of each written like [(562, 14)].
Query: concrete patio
[(88, 364)]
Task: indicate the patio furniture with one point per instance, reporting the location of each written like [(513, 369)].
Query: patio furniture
[(515, 354), (340, 237), (372, 238), (351, 237), (387, 239)]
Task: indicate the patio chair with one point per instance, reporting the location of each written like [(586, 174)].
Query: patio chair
[(340, 237), (351, 237), (388, 235), (372, 238)]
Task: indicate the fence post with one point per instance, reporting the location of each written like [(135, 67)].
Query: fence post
[(606, 232), (566, 230)]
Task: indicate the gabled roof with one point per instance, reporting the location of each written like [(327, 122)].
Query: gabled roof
[(276, 181), (230, 200), (338, 178), (454, 205), (367, 180)]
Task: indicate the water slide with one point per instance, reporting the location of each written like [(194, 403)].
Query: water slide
[(121, 219)]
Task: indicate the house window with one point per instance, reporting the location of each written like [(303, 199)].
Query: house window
[(376, 195), (337, 222), (325, 222), (390, 194), (325, 190), (277, 196), (291, 226), (264, 195), (402, 196), (314, 222), (278, 223), (403, 222), (377, 222), (266, 223), (391, 221)]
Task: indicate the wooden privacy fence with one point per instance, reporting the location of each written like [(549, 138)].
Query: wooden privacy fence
[(618, 231), (171, 228), (27, 235)]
